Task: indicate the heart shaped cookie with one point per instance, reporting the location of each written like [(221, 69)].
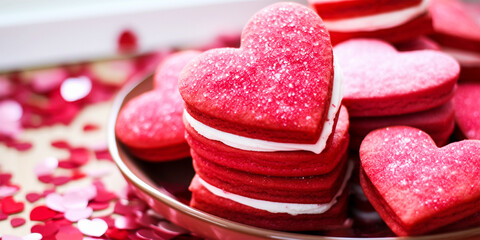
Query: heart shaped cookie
[(415, 186), (151, 124), (277, 86), (467, 110), (380, 81)]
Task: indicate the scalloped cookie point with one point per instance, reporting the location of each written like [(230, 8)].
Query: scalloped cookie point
[(276, 86), (415, 186)]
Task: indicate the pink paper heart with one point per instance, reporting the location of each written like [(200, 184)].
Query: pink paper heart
[(61, 203), (32, 236), (278, 82), (46, 166), (10, 237), (6, 191), (95, 227), (73, 215), (415, 186)]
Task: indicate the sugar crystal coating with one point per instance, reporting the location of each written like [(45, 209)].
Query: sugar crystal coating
[(420, 182), (280, 77), (379, 80)]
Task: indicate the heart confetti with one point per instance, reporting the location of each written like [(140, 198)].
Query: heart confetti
[(95, 227), (73, 215), (10, 206), (73, 89), (16, 222), (46, 230), (42, 213), (33, 197), (32, 236), (6, 191), (46, 167), (11, 112), (68, 233)]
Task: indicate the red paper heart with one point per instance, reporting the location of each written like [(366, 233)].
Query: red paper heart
[(41, 213), (33, 197), (47, 230), (10, 206), (278, 83), (415, 186), (16, 222), (68, 233)]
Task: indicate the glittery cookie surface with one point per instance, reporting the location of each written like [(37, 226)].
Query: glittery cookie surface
[(280, 79), (380, 81), (467, 109), (415, 186)]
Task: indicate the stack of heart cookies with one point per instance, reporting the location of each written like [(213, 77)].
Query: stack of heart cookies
[(267, 132), (384, 87)]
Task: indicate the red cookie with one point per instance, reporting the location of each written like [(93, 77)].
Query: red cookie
[(438, 122), (284, 163), (277, 86), (307, 189), (151, 124), (462, 41), (464, 35), (390, 20), (415, 186), (167, 72), (380, 81), (335, 9), (467, 110), (223, 207)]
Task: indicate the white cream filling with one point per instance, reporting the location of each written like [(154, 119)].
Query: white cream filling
[(377, 21), (465, 58), (258, 145), (280, 207)]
